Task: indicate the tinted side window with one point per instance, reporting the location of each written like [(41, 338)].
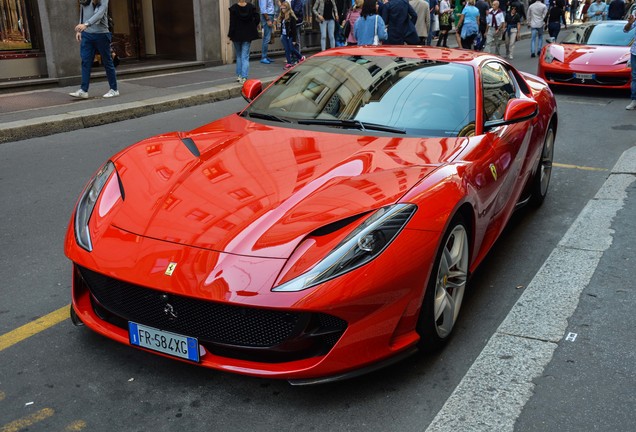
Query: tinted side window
[(498, 88)]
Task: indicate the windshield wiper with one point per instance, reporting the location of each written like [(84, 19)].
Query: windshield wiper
[(271, 117), (352, 124)]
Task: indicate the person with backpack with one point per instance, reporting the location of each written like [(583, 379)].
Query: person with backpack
[(93, 35)]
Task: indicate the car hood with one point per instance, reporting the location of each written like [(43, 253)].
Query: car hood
[(591, 55), (257, 190)]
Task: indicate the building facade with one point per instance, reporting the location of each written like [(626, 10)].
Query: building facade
[(37, 40)]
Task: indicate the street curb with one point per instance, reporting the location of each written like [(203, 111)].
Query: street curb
[(49, 125)]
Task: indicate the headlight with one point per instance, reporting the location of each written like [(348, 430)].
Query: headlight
[(364, 244), (86, 205), (548, 57)]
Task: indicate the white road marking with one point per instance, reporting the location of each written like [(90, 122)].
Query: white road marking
[(497, 386)]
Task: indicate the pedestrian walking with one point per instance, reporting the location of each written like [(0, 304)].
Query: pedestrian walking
[(243, 30), (352, 17), (369, 24), (597, 11), (584, 10), (631, 23), (537, 12), (287, 21), (496, 22), (513, 31), (469, 24), (433, 6), (326, 13), (445, 22), (298, 6), (400, 19), (93, 35), (423, 22), (267, 23), (616, 10), (483, 7), (574, 9), (556, 17)]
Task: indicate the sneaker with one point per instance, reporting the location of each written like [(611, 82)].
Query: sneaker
[(79, 94), (632, 105), (265, 61), (242, 80), (532, 55), (510, 57), (238, 78), (111, 93), (302, 59), (289, 66)]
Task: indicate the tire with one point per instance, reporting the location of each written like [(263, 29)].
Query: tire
[(445, 288), (541, 179)]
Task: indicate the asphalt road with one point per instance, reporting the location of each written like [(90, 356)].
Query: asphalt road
[(65, 378)]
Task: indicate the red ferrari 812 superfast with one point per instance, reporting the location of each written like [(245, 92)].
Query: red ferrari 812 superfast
[(326, 230)]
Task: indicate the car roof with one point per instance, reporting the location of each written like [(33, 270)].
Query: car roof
[(410, 51)]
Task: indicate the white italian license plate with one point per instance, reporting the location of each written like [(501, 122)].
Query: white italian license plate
[(584, 76), (163, 341)]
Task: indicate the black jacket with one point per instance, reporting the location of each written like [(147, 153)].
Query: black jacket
[(243, 23), (290, 27)]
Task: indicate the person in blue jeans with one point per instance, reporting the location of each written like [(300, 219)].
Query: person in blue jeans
[(93, 35), (243, 30), (267, 23), (434, 10), (629, 26), (536, 20), (288, 23)]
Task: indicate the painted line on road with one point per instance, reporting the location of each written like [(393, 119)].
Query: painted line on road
[(27, 421), (492, 394), (75, 426), (579, 167), (34, 327)]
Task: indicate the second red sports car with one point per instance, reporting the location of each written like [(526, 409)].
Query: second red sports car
[(595, 54)]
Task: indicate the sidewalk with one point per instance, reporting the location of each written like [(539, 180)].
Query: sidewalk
[(34, 113), (31, 113)]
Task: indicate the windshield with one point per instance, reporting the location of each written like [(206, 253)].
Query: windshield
[(607, 33), (372, 93)]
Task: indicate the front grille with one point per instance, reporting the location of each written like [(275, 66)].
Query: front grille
[(599, 79), (234, 331)]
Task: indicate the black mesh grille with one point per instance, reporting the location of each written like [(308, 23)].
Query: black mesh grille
[(598, 79), (228, 327)]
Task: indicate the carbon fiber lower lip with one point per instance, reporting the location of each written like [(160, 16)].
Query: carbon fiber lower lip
[(358, 372)]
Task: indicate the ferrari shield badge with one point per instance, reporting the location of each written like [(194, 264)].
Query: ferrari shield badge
[(493, 170), (170, 268)]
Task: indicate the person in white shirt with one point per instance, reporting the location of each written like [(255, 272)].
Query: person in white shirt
[(536, 16), (496, 22)]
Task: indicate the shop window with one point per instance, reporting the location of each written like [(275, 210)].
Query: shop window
[(17, 26)]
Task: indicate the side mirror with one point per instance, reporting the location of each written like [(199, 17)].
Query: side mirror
[(251, 89), (520, 110), (517, 110)]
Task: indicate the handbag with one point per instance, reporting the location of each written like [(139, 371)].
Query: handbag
[(347, 26), (376, 39)]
